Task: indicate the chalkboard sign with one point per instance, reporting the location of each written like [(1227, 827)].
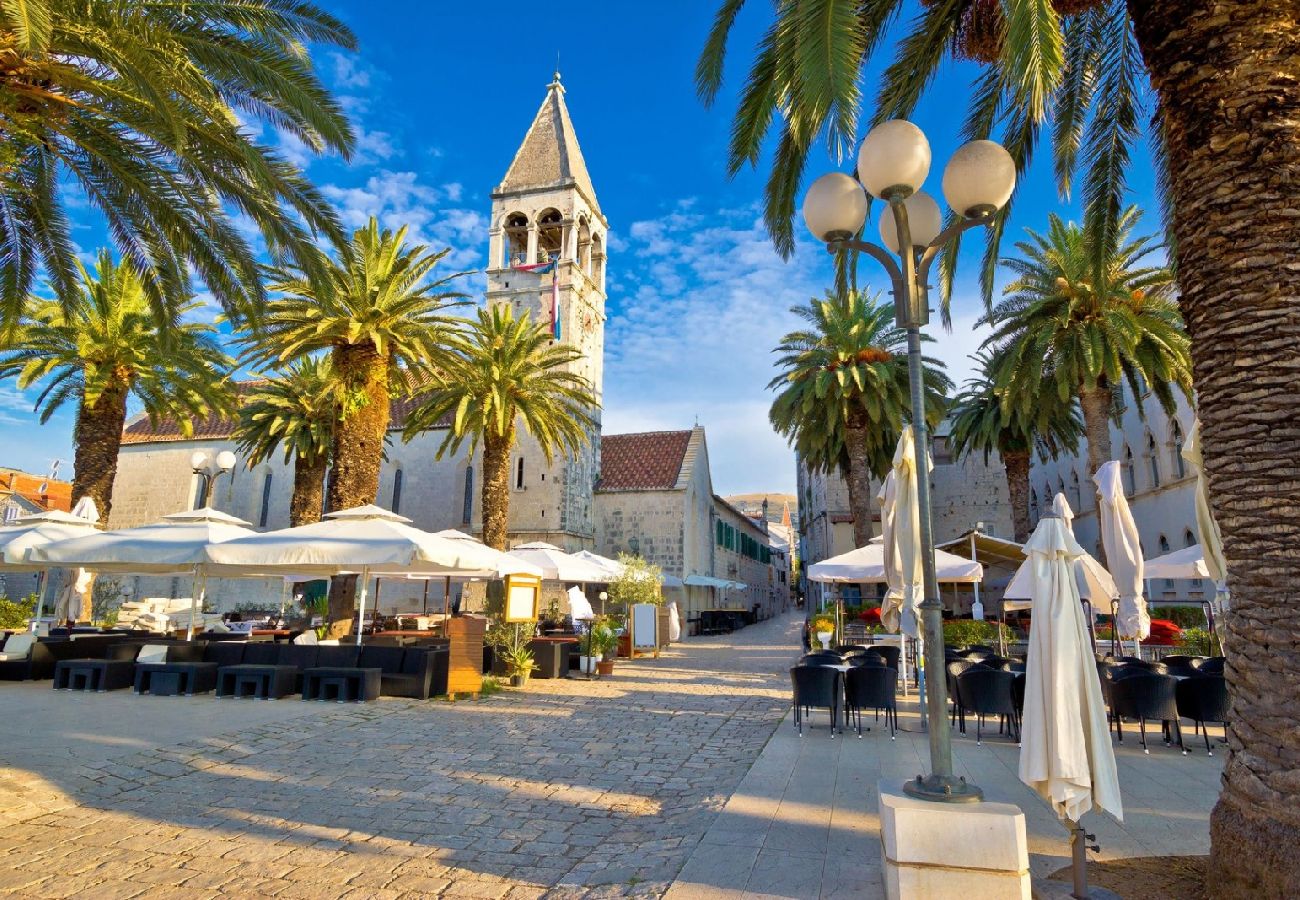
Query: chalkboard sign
[(645, 626)]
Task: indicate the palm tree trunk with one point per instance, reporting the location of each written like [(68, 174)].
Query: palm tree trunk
[(1227, 78), (1016, 463), (308, 490), (858, 480), (496, 488), (358, 452), (98, 438), (1096, 406)]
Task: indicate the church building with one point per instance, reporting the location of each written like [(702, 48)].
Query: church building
[(546, 256)]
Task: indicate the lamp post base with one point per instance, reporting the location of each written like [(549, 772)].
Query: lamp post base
[(943, 789)]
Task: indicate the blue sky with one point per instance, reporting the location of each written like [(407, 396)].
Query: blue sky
[(441, 95)]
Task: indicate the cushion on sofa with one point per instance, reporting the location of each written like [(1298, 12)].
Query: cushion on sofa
[(224, 653), (261, 653), (294, 655), (378, 657), (18, 645), (337, 657), (152, 653)]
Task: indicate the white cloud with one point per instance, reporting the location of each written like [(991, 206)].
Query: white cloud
[(12, 398), (374, 146), (348, 73)]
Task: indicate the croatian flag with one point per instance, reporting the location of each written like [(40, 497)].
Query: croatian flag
[(548, 267)]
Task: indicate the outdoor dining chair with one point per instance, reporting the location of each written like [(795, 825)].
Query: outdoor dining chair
[(821, 658), (1211, 666), (1203, 698), (872, 687), (816, 687), (888, 652), (846, 649), (953, 669), (987, 692), (1147, 696)]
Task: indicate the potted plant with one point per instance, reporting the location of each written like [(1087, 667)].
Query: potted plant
[(509, 641), (519, 664), (823, 627), (602, 643)]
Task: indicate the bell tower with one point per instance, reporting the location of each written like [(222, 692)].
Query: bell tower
[(546, 258)]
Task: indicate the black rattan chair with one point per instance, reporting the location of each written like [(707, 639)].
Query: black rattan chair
[(821, 658), (987, 692), (887, 652), (953, 669), (816, 687), (871, 687), (1146, 696), (1203, 698), (1211, 666)]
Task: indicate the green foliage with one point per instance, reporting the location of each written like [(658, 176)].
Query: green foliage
[(105, 338), (490, 686), (518, 660), (965, 632), (1182, 616), (638, 583), (848, 370), (501, 370), (293, 409), (602, 638), (1199, 642), (106, 595), (510, 640), (153, 112), (15, 614)]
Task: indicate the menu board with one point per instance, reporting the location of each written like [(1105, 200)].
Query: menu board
[(523, 595), (645, 626)]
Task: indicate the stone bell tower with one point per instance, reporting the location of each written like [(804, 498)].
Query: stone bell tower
[(546, 257)]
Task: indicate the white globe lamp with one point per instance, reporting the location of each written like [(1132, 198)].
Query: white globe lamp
[(198, 459), (894, 157), (225, 460), (834, 207), (979, 178), (924, 221)]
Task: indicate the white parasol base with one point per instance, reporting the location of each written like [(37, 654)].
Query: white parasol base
[(968, 850)]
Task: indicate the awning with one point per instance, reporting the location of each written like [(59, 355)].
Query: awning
[(710, 581), (866, 565), (989, 550)]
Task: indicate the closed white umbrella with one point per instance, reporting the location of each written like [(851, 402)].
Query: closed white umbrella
[(175, 544), (1094, 582), (1216, 567), (902, 532), (891, 567), (1066, 754), (1119, 535), (556, 565)]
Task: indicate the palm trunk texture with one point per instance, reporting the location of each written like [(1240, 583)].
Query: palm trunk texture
[(1016, 463), (98, 438), (858, 480), (358, 455), (308, 490), (1227, 77), (496, 488), (1096, 406)]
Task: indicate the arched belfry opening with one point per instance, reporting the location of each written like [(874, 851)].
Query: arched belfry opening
[(516, 242), (597, 260), (584, 245), (550, 235)]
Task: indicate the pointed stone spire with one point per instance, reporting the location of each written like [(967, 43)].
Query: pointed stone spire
[(550, 156)]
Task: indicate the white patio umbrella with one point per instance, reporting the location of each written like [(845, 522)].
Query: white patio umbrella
[(891, 568), (1186, 563), (1094, 582), (28, 532), (1066, 754), (611, 566), (902, 533), (365, 541), (173, 545), (1119, 535), (556, 565), (866, 565), (1216, 567)]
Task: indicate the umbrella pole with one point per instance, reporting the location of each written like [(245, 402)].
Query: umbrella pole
[(284, 596), (426, 596), (1079, 860), (42, 586), (195, 599), (446, 601), (361, 604)]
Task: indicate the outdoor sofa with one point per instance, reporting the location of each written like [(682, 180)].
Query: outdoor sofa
[(38, 660), (268, 670)]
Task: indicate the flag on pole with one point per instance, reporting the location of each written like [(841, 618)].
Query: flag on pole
[(549, 267)]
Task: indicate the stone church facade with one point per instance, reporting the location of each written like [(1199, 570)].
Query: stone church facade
[(544, 210)]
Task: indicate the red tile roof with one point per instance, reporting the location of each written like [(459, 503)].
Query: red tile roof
[(649, 461)]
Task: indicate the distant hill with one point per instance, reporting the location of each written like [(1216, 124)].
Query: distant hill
[(752, 505)]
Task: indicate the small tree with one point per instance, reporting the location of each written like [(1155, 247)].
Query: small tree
[(638, 583)]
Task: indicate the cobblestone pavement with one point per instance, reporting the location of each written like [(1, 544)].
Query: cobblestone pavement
[(568, 789)]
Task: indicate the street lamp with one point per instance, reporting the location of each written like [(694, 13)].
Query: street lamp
[(209, 469), (893, 162)]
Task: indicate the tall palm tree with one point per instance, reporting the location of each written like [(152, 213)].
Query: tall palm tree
[(294, 411), (506, 373), (981, 423), (1226, 134), (1072, 326), (138, 106), (842, 392), (107, 350), (383, 317)]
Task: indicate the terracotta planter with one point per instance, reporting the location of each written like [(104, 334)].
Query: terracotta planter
[(605, 667)]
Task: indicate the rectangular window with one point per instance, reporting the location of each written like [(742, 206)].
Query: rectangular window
[(467, 511), (519, 474), (266, 501), (721, 533), (397, 491)]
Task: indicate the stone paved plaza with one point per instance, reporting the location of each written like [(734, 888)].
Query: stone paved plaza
[(570, 788)]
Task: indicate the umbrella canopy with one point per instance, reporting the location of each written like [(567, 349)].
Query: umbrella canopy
[(177, 543), (615, 568), (504, 565), (1119, 535), (710, 581), (1185, 563), (866, 565), (1065, 753), (556, 565), (579, 606), (903, 531), (29, 532), (1094, 582), (891, 567), (1216, 567)]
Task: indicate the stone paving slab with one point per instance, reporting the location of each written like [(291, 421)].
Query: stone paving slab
[(570, 788)]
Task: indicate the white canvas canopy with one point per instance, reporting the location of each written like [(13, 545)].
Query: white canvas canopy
[(1216, 567), (1066, 754), (709, 581), (866, 565), (29, 532), (1093, 581), (1119, 535), (177, 543), (1186, 563), (556, 565), (615, 568)]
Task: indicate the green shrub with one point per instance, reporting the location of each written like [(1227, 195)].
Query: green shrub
[(964, 632), (638, 583), (1199, 642), (15, 614)]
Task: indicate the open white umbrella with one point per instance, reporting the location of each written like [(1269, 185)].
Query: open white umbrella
[(1066, 754), (1186, 563), (173, 545), (556, 565), (28, 532), (366, 540), (1094, 582), (1119, 535), (866, 565), (1216, 567)]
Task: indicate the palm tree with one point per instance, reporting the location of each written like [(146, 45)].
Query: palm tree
[(107, 350), (1226, 135), (293, 410), (981, 423), (138, 107), (504, 373), (382, 317), (1071, 326), (842, 392)]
